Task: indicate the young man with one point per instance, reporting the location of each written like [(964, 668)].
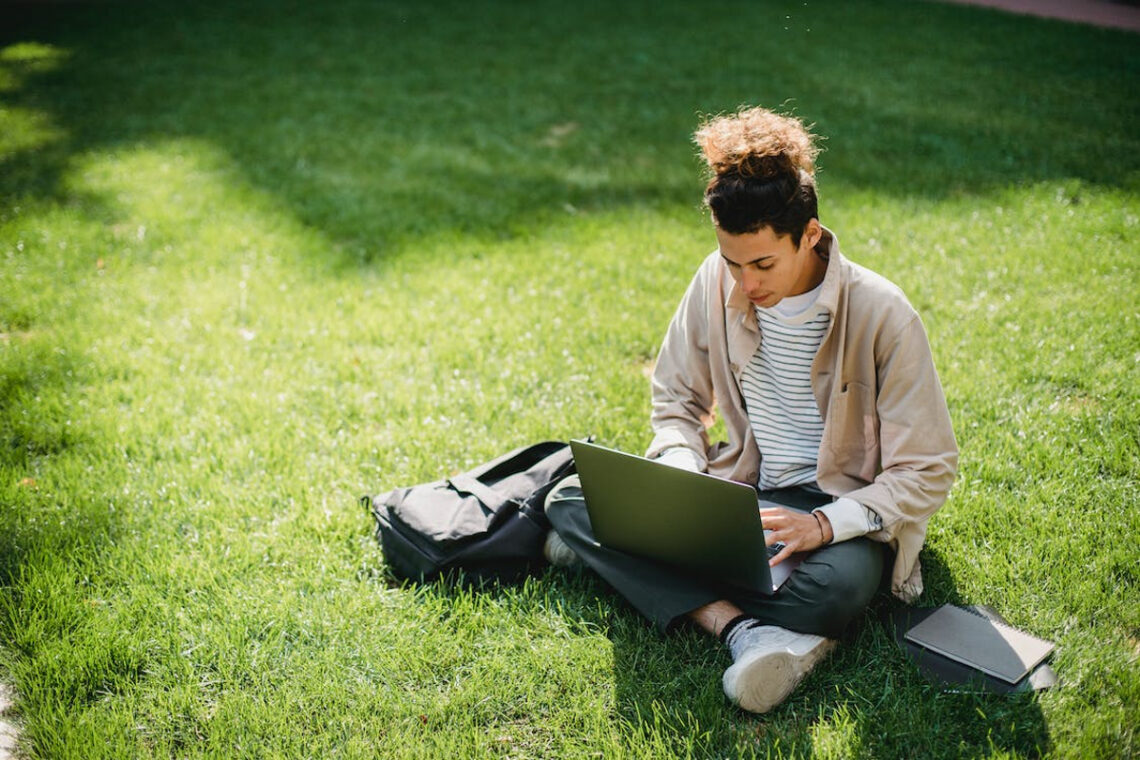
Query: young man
[(823, 375)]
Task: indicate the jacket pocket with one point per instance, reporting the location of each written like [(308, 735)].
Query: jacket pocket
[(851, 431)]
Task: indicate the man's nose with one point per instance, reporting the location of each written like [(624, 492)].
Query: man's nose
[(749, 279)]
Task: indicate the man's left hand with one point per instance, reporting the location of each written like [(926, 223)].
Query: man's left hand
[(797, 531)]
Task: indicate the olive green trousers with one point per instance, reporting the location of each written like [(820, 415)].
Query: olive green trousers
[(833, 584)]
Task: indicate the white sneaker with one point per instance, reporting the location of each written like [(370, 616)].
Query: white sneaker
[(772, 661), (557, 552)]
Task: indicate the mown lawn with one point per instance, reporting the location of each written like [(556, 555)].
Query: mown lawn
[(257, 259)]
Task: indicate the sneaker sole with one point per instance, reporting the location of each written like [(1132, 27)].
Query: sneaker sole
[(759, 683)]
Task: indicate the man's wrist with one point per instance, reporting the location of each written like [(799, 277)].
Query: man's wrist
[(826, 534), (847, 519)]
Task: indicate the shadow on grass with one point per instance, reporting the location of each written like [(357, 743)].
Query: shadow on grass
[(382, 125), (32, 430), (869, 697), (888, 699)]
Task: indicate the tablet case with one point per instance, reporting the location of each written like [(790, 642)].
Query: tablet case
[(952, 674)]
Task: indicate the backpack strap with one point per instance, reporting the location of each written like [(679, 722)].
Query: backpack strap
[(491, 498)]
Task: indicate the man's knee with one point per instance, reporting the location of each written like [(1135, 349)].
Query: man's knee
[(836, 585), (857, 568), (565, 506), (566, 491), (855, 578)]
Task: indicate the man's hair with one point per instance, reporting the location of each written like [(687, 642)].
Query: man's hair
[(763, 167)]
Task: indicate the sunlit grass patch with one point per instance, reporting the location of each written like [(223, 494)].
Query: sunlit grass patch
[(256, 261)]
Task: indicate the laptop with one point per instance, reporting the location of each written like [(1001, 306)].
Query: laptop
[(699, 522)]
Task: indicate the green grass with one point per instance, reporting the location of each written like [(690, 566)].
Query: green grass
[(257, 259)]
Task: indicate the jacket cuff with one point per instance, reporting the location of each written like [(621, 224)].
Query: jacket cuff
[(667, 438), (849, 519), (681, 457)]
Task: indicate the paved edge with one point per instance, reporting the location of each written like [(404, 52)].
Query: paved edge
[(1094, 12), (9, 733)]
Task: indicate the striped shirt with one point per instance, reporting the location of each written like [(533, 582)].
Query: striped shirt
[(777, 391)]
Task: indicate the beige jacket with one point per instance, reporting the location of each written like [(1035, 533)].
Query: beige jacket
[(887, 440)]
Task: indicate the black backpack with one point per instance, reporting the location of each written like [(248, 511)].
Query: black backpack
[(488, 522)]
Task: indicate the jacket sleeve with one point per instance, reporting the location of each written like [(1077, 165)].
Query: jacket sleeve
[(918, 453), (682, 386)]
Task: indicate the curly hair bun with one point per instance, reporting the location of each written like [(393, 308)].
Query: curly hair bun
[(756, 142)]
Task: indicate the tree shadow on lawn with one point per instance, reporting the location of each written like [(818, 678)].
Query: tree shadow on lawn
[(52, 539), (33, 429), (383, 125), (868, 697)]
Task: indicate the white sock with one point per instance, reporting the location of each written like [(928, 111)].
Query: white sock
[(737, 635)]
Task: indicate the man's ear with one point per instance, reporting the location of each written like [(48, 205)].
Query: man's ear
[(813, 231)]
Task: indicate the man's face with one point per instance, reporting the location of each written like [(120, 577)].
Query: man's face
[(769, 267)]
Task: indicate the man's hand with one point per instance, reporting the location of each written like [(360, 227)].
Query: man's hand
[(798, 532)]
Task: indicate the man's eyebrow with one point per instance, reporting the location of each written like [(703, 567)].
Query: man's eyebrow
[(754, 261)]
